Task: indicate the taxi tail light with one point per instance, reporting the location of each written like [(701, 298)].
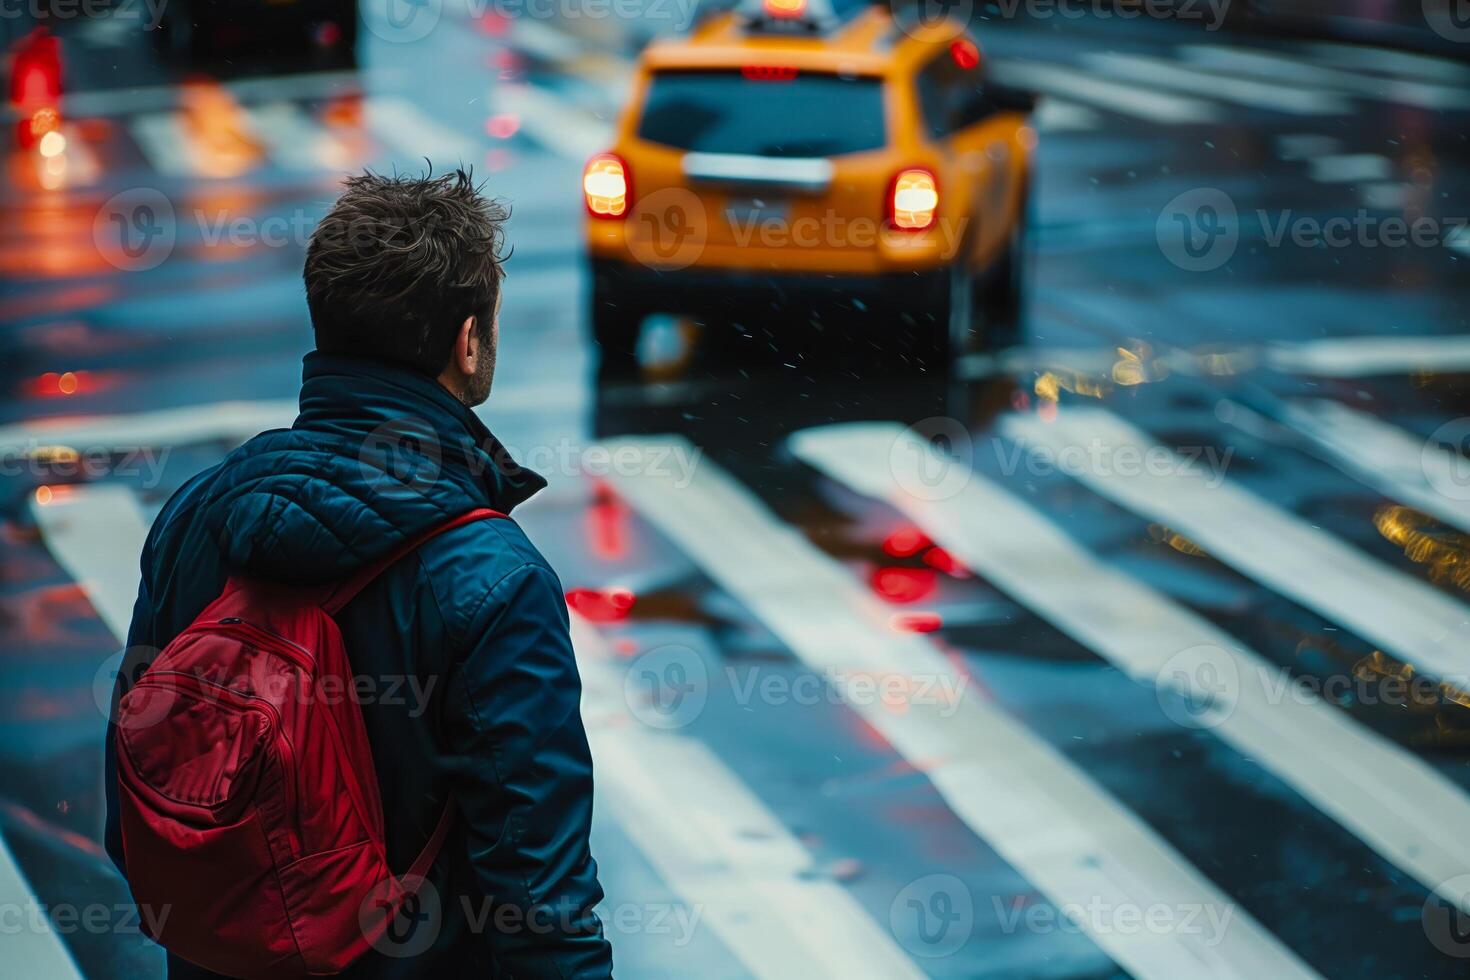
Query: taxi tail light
[(913, 199), (605, 186), (784, 9)]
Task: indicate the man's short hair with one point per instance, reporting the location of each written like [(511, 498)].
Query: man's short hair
[(399, 262)]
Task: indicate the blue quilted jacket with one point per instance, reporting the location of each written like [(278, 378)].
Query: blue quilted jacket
[(476, 618)]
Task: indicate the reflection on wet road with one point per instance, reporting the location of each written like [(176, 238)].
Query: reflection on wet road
[(1134, 649)]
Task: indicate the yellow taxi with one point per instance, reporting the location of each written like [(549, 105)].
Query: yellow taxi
[(828, 160)]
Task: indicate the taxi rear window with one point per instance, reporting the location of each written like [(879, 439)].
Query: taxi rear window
[(804, 115)]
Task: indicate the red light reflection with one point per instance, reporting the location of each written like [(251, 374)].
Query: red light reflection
[(602, 605), (904, 584)]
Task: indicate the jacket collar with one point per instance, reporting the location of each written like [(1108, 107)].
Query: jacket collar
[(362, 400)]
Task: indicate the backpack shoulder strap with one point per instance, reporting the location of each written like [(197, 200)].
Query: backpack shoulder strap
[(345, 593), (347, 590), (414, 876)]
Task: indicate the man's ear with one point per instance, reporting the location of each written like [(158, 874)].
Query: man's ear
[(467, 351)]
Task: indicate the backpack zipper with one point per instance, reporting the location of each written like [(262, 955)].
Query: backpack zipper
[(293, 651)]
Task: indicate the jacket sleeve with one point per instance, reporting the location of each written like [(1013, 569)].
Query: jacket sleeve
[(523, 779)]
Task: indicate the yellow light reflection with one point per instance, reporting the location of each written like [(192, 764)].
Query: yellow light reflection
[(219, 130), (1445, 553), (1175, 540)]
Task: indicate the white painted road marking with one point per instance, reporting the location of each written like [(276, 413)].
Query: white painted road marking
[(719, 848), (29, 952), (151, 98), (1355, 357), (1057, 115), (1387, 797), (1043, 815), (1172, 76), (399, 123), (1120, 97), (1398, 464), (168, 143), (1347, 168), (163, 427), (96, 533), (1407, 618), (561, 127), (236, 421), (296, 141), (715, 844), (1264, 64)]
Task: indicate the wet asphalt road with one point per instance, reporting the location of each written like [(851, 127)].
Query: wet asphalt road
[(1243, 439)]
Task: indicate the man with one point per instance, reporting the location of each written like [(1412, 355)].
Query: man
[(462, 659)]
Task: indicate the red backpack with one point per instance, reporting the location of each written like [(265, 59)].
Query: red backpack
[(252, 825)]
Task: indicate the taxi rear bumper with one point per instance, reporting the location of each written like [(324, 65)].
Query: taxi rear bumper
[(723, 292)]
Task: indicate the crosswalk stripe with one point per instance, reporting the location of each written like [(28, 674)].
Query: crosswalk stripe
[(676, 799), (1262, 64), (1122, 97), (96, 533), (1405, 617), (1056, 115), (161, 427), (1390, 799), (719, 848), (541, 40), (295, 140), (29, 952), (1387, 61), (1355, 357), (1305, 146), (1177, 77), (1344, 168), (1040, 813), (236, 421), (554, 123), (398, 123), (167, 143), (152, 98), (1400, 465)]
